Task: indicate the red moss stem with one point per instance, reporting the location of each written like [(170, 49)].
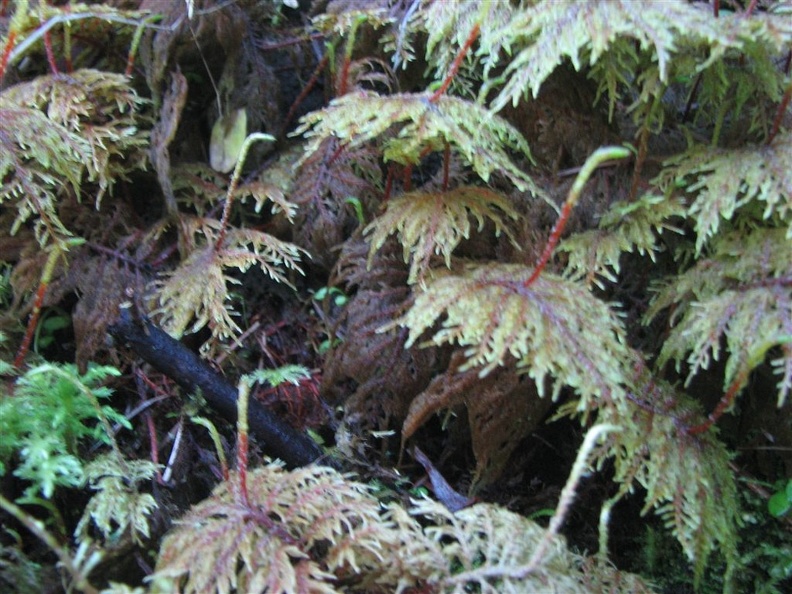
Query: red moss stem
[(50, 53), (24, 348), (724, 404), (9, 47), (304, 93), (597, 158), (446, 165), (456, 63)]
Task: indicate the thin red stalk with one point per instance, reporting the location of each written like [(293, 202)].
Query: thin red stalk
[(153, 443), (304, 93), (50, 53), (344, 76), (389, 183), (294, 41), (595, 160), (555, 235), (336, 153), (242, 465), (3, 8), (724, 404), (407, 178), (226, 214), (782, 107), (716, 8), (446, 165), (31, 326), (9, 47), (751, 8), (456, 64), (141, 379)]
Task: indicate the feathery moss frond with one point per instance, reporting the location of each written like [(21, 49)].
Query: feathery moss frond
[(481, 138), (118, 505), (743, 293), (687, 478), (59, 128), (626, 227), (549, 32), (553, 328), (483, 548), (430, 223), (46, 418), (725, 180), (196, 293), (274, 543), (447, 26), (314, 530)]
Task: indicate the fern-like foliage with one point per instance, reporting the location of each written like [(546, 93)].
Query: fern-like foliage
[(434, 223), (743, 294), (626, 227), (725, 181), (196, 293), (314, 530), (554, 328), (201, 187), (549, 32), (273, 542), (414, 124), (46, 418), (687, 478), (118, 506), (60, 129), (485, 548)]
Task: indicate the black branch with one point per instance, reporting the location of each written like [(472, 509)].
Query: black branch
[(185, 367)]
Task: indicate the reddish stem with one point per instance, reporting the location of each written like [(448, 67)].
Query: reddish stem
[(446, 165), (555, 235), (242, 466), (456, 64), (389, 183), (31, 326), (9, 47), (342, 82), (724, 404), (407, 178), (50, 53), (782, 107), (304, 93)]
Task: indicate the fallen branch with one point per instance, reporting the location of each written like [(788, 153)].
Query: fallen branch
[(185, 367)]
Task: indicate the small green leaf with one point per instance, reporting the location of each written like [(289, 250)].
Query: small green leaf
[(228, 136), (779, 504)]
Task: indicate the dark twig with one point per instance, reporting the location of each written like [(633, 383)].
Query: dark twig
[(185, 367)]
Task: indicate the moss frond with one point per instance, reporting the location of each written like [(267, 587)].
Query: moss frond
[(196, 293), (57, 128), (726, 180), (554, 328), (743, 294), (273, 543), (434, 223), (687, 478), (547, 33), (626, 227), (410, 124), (118, 505)]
